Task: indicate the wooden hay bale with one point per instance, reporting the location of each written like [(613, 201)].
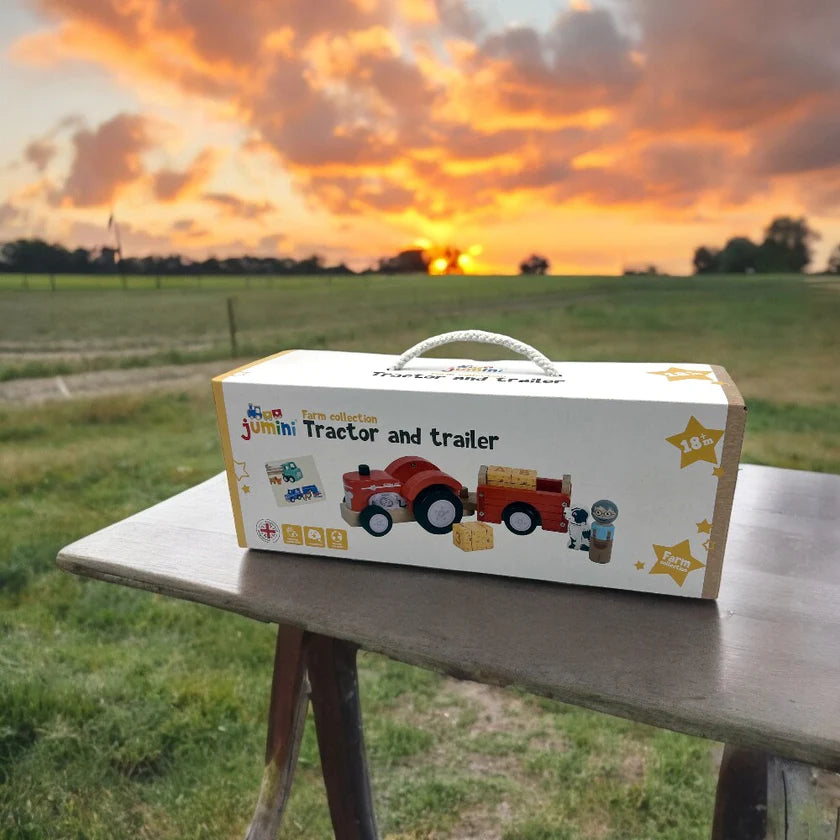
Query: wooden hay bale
[(512, 477), (472, 536)]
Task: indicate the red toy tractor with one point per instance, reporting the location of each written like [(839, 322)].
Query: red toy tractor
[(408, 489)]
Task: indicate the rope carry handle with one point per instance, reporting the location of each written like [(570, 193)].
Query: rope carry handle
[(483, 337)]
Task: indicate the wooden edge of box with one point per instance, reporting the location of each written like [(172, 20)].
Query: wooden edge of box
[(736, 419), (227, 451)]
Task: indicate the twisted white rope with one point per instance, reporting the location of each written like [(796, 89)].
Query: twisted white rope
[(485, 338)]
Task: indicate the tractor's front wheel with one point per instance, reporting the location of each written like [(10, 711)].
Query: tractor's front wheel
[(376, 520), (437, 509)]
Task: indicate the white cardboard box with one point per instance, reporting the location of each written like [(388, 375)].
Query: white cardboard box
[(660, 441)]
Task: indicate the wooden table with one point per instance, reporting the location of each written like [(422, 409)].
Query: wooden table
[(759, 669)]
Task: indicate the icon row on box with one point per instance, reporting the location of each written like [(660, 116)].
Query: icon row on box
[(314, 537)]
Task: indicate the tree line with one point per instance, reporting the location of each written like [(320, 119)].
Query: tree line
[(35, 256), (787, 246)]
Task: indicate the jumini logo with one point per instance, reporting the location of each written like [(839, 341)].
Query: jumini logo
[(269, 421), (473, 369)]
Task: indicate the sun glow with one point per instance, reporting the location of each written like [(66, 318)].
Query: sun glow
[(448, 259)]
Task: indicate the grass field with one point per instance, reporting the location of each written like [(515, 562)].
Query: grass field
[(124, 714), (777, 335)]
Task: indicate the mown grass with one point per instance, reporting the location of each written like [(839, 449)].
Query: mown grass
[(767, 330), (125, 714), (776, 335)]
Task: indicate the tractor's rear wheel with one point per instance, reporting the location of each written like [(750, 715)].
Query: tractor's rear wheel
[(437, 509), (376, 520)]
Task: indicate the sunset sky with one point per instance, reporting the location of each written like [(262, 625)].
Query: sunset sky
[(602, 134)]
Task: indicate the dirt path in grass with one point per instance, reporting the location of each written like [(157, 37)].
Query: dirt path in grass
[(99, 383)]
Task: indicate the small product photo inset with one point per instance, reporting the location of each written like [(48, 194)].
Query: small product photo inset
[(295, 481)]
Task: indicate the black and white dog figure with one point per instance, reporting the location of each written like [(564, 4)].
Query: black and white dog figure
[(578, 530)]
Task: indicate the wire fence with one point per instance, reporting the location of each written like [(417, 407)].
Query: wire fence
[(126, 282)]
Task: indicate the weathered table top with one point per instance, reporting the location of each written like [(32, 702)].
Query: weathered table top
[(760, 667)]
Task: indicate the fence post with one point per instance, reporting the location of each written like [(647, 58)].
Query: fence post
[(52, 282), (25, 281), (157, 281), (232, 327)]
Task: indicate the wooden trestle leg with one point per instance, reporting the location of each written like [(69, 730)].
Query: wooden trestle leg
[(286, 719), (741, 800), (333, 684), (764, 797), (338, 723)]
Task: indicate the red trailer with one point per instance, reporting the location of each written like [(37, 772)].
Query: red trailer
[(524, 510)]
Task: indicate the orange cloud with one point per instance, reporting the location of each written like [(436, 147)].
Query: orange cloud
[(8, 213), (105, 160), (407, 110), (232, 205), (171, 185), (39, 153)]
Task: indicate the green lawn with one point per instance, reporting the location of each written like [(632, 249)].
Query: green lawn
[(125, 714)]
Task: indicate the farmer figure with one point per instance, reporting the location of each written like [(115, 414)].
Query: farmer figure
[(604, 513)]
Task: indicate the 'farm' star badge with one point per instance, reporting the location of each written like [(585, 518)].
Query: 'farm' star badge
[(676, 561), (675, 374), (696, 443)]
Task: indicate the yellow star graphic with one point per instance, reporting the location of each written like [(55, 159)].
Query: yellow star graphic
[(246, 488), (675, 374), (676, 561), (696, 443), (709, 544), (704, 527), (640, 565), (718, 472), (239, 470)]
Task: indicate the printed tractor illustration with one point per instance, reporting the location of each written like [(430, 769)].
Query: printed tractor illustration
[(291, 471), (407, 489), (283, 472), (300, 494), (415, 489)]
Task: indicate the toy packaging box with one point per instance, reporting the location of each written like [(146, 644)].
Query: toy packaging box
[(600, 474)]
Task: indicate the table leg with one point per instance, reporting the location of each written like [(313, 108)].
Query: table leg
[(741, 800), (338, 723), (764, 797), (286, 718), (802, 803)]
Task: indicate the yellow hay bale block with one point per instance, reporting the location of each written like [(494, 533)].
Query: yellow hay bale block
[(472, 536), (497, 474), (512, 477)]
